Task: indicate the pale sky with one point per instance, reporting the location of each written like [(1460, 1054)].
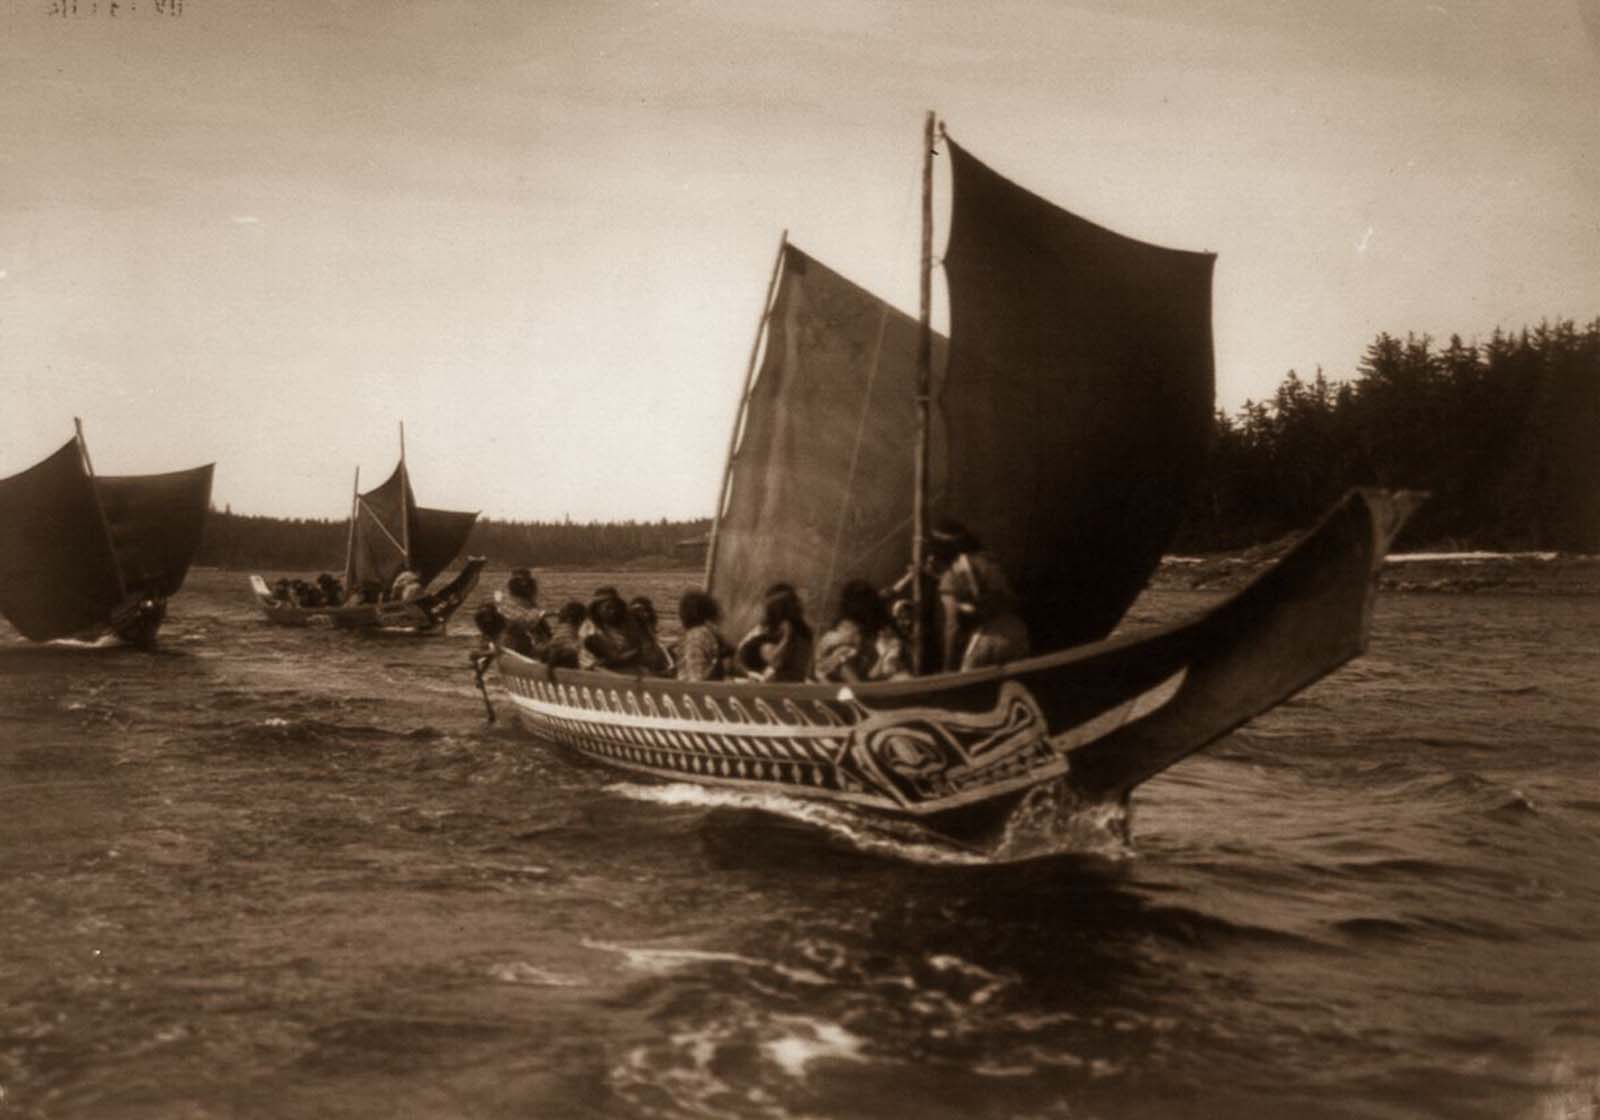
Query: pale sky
[(264, 233)]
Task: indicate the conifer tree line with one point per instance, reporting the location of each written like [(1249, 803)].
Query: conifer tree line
[(1503, 434), (312, 545)]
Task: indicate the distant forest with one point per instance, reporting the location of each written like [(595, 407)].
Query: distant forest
[(284, 545), (1505, 435)]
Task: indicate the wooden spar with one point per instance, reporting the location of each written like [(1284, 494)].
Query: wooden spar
[(83, 447), (405, 496), (105, 523), (738, 415), (350, 539), (919, 499)]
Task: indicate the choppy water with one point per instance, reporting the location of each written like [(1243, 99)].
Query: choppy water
[(269, 873)]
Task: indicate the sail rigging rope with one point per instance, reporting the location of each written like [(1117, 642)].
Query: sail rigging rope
[(382, 528)]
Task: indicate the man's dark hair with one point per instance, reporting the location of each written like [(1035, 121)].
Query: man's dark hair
[(860, 602), (950, 539), (781, 604), (572, 613), (489, 621), (697, 607)]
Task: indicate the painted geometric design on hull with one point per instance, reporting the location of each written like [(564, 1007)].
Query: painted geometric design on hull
[(836, 747), (719, 739)]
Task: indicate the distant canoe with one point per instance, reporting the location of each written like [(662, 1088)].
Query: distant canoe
[(427, 612), (389, 534), (85, 555)]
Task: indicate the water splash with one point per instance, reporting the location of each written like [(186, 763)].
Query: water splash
[(1050, 821), (809, 1039), (1053, 820), (660, 961), (876, 836), (521, 972)]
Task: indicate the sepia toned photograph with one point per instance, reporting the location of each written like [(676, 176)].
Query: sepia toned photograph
[(723, 559)]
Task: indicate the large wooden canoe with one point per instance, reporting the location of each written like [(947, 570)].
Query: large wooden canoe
[(957, 751)]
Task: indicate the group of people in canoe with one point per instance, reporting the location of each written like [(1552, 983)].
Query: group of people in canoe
[(327, 590), (974, 623)]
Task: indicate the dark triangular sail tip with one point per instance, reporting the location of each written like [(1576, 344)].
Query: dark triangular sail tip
[(957, 150)]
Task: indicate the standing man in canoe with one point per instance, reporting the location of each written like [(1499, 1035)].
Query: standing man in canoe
[(978, 620)]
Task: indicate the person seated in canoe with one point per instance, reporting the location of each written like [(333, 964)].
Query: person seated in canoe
[(609, 639), (518, 603), (979, 623), (283, 590), (139, 617), (903, 608), (307, 594), (779, 647), (653, 656), (491, 626), (370, 592), (703, 654), (561, 651), (848, 650), (407, 586), (497, 633), (892, 647), (332, 590)]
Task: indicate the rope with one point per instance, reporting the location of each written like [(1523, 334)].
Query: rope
[(480, 663)]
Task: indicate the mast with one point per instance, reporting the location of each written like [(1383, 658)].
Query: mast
[(738, 416), (405, 494), (919, 500), (350, 538), (105, 524)]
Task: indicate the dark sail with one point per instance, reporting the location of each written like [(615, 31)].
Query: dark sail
[(1077, 403), (437, 536), (58, 576), (821, 479), (388, 520), (156, 521), (378, 541)]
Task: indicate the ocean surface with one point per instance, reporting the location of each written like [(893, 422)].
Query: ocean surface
[(275, 873)]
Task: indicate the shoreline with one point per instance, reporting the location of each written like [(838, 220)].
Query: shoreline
[(1447, 573)]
